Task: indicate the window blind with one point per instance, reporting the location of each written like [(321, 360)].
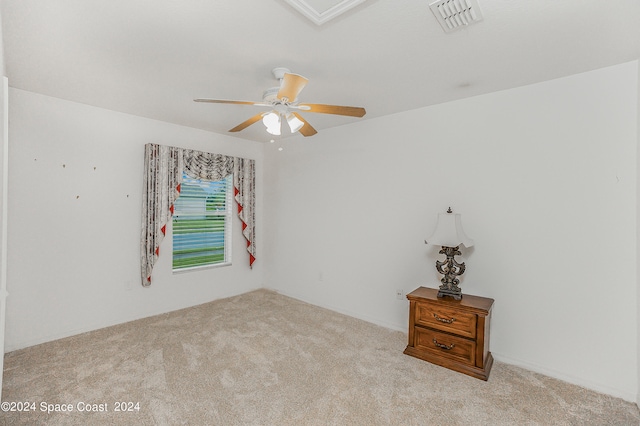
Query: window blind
[(202, 223)]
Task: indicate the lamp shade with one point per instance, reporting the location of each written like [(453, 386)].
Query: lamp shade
[(272, 122), (449, 232), (295, 123)]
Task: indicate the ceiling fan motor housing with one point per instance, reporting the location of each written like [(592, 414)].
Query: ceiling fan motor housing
[(271, 95), (279, 72)]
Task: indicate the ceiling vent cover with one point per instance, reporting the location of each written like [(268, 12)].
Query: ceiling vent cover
[(456, 14)]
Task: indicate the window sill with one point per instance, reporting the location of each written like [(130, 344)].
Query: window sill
[(200, 268)]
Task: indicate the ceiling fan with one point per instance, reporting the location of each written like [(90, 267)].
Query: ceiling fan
[(283, 102)]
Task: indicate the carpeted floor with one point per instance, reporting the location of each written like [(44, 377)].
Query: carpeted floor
[(265, 359)]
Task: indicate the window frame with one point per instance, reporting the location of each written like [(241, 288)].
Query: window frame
[(227, 213)]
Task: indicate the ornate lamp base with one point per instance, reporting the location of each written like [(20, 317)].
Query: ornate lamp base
[(450, 269), (443, 292)]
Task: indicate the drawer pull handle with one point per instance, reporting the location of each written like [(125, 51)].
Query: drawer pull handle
[(444, 320), (441, 346)]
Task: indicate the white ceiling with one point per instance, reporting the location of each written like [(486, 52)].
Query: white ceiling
[(153, 57)]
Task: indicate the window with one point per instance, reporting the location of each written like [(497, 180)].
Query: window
[(202, 223)]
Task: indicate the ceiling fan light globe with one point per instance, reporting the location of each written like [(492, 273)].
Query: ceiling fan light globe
[(271, 119), (272, 123), (274, 131), (295, 123)]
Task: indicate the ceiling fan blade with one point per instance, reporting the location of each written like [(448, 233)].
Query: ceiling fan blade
[(224, 101), (334, 109), (291, 86), (307, 129), (247, 123)]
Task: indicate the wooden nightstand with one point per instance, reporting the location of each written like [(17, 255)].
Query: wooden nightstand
[(451, 333)]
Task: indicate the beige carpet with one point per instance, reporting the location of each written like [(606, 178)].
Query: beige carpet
[(265, 359)]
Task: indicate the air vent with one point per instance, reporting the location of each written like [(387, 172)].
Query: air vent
[(456, 14)]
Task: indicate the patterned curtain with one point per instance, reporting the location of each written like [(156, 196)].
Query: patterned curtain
[(163, 169)]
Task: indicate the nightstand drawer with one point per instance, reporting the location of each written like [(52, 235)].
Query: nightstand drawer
[(445, 319), (445, 345)]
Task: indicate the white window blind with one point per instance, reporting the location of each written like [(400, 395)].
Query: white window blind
[(202, 223)]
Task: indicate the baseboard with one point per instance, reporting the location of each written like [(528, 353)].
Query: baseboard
[(23, 344), (627, 396), (372, 320)]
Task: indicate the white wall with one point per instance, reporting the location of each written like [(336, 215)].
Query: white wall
[(4, 169), (544, 175), (76, 184), (545, 179), (638, 236)]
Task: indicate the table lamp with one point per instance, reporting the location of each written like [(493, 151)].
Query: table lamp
[(449, 234)]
